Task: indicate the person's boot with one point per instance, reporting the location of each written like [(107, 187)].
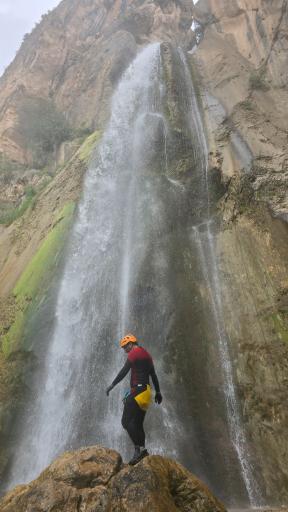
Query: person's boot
[(139, 454)]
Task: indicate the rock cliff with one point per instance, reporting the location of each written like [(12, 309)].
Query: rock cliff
[(96, 480), (72, 61), (243, 62), (75, 56)]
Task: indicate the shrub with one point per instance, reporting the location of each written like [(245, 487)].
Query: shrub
[(247, 105), (29, 200), (257, 80), (43, 128)]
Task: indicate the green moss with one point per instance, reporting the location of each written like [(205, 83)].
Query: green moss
[(87, 147), (36, 277), (29, 282), (11, 340), (8, 217), (280, 326)]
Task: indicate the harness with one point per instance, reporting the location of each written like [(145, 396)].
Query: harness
[(141, 394)]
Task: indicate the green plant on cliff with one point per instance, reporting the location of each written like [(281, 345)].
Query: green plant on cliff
[(281, 326), (43, 128), (8, 168), (86, 149), (14, 213), (257, 80), (247, 105), (35, 279)]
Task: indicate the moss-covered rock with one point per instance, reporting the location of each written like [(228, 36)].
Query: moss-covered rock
[(41, 233), (87, 147), (34, 280)]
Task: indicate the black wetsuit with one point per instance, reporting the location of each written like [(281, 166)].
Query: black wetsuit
[(141, 365)]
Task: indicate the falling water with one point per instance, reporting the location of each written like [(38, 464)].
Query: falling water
[(205, 245), (134, 266), (111, 239)]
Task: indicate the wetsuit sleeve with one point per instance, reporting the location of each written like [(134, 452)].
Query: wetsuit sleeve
[(155, 379), (123, 372)]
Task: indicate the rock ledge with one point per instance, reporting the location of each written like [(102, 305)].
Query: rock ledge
[(95, 479)]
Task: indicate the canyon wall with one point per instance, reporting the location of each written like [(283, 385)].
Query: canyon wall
[(75, 56), (73, 59), (241, 68)]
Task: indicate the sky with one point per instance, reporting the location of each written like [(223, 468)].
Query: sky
[(17, 17)]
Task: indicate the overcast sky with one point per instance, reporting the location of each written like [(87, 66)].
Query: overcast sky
[(17, 17)]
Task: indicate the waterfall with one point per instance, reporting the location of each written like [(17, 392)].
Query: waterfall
[(119, 216), (141, 259), (205, 243)]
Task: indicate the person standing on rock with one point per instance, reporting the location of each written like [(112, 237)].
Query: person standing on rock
[(137, 400)]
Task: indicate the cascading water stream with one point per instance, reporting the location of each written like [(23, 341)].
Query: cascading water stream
[(108, 244), (205, 245), (133, 266)]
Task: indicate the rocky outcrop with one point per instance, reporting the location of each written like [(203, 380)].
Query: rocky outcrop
[(96, 480), (75, 56)]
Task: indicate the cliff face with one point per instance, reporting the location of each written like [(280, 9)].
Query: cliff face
[(242, 71), (76, 55), (243, 62), (74, 59)]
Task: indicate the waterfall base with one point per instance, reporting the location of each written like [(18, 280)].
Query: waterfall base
[(96, 479)]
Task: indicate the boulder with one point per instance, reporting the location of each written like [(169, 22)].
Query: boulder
[(95, 479)]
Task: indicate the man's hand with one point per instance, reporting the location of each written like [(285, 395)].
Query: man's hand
[(109, 389), (158, 398)]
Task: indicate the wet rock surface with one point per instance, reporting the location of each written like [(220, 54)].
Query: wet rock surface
[(95, 479), (240, 66)]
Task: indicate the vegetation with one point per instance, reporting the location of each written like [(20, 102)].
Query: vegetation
[(14, 213), (36, 278), (280, 326), (43, 128), (86, 148), (247, 104), (257, 80), (8, 168)]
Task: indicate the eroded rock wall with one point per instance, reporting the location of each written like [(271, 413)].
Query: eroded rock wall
[(76, 55), (241, 67), (243, 62)]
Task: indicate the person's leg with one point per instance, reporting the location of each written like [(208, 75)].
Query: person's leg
[(138, 426), (132, 421)]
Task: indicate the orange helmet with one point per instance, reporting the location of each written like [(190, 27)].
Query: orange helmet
[(129, 338)]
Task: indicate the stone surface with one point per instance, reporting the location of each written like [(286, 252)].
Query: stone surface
[(95, 479), (241, 68), (253, 274), (242, 61), (76, 55)]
